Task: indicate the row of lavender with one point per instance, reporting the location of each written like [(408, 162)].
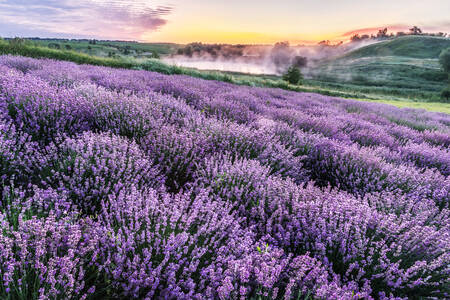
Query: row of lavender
[(120, 183)]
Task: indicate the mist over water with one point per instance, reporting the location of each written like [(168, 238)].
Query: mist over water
[(241, 66), (270, 60)]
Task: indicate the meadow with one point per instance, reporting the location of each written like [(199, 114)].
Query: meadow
[(120, 184)]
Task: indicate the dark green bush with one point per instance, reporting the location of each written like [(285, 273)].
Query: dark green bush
[(445, 94), (444, 59), (293, 75)]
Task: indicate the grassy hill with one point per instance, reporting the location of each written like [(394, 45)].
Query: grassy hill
[(110, 48), (407, 46), (407, 67)]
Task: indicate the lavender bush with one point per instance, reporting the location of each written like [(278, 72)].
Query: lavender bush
[(127, 184)]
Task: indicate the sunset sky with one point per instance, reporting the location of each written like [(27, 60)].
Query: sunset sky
[(230, 21)]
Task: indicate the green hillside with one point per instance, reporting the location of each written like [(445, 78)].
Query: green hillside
[(407, 67), (109, 48), (407, 46)]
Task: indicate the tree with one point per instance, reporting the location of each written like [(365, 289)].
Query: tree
[(358, 38), (355, 38), (293, 75), (281, 45), (16, 42), (54, 46), (415, 30), (325, 43), (68, 47), (382, 33), (281, 56), (444, 59), (445, 94), (127, 50), (300, 61)]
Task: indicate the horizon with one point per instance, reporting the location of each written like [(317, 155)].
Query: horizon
[(231, 22)]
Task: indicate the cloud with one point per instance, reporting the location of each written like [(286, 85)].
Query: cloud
[(438, 26), (94, 18)]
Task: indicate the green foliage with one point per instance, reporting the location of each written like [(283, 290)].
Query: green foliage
[(18, 42), (293, 75), (444, 59), (445, 94), (54, 46)]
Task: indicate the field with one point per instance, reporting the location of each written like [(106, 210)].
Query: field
[(120, 184)]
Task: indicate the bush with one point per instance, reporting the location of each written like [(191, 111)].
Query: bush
[(444, 59), (153, 251), (45, 253), (94, 166), (445, 94), (293, 75)]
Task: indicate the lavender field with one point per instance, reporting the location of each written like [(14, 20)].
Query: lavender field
[(120, 184)]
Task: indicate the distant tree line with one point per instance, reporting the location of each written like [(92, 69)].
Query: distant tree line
[(62, 40), (383, 34), (212, 50), (328, 43)]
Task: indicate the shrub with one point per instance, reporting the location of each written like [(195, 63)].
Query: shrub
[(445, 94), (364, 246), (293, 75), (163, 246), (92, 167), (444, 59), (45, 252), (18, 156)]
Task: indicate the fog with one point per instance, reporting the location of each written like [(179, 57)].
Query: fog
[(230, 65), (271, 60)]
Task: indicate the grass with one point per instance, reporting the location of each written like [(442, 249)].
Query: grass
[(429, 106)]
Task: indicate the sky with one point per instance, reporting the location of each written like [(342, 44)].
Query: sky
[(218, 21)]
